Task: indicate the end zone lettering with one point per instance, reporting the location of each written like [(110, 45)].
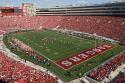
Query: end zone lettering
[(73, 60)]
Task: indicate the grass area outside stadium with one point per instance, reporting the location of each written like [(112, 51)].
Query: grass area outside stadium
[(55, 46)]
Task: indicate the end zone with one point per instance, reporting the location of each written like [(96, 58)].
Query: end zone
[(76, 59)]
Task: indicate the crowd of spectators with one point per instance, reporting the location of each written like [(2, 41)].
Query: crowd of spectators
[(123, 41), (12, 71), (108, 26), (120, 78), (103, 71)]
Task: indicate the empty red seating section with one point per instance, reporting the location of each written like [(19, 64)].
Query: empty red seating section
[(15, 72)]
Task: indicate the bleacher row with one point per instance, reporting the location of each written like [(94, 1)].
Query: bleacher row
[(103, 71), (107, 26), (12, 71), (120, 78)]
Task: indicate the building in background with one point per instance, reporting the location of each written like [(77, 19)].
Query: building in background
[(28, 9)]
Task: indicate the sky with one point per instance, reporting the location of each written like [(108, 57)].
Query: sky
[(53, 3)]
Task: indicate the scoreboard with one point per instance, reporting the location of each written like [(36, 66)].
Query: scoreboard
[(7, 10), (11, 11)]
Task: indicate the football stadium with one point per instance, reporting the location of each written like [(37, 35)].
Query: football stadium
[(63, 44)]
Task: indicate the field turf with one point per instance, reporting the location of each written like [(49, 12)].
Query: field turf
[(54, 46)]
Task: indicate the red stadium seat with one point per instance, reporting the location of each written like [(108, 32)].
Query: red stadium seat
[(15, 72)]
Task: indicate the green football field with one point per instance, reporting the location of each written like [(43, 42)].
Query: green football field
[(54, 46)]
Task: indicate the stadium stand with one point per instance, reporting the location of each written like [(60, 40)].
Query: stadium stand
[(103, 71), (120, 78), (71, 18), (123, 41), (107, 26), (12, 71)]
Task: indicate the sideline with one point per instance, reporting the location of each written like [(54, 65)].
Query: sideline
[(13, 56)]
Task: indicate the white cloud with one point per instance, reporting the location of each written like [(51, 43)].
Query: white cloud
[(82, 1)]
